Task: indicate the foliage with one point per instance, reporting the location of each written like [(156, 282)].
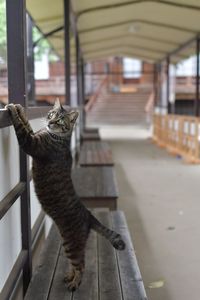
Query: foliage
[(43, 46), (2, 31)]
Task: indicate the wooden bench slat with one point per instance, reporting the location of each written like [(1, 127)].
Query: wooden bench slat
[(89, 286), (43, 276), (95, 153), (59, 289), (95, 182), (90, 136), (131, 280), (109, 274), (109, 283)]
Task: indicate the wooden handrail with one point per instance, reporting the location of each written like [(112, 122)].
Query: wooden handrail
[(150, 102), (94, 96)]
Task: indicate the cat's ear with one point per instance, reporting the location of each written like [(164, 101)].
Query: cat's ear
[(73, 116), (57, 104)]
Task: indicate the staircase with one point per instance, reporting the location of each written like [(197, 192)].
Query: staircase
[(120, 108)]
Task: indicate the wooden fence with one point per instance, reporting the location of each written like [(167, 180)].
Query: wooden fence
[(180, 135)]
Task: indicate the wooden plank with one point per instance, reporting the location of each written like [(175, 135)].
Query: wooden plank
[(43, 276), (109, 283), (95, 153), (59, 288), (92, 130), (95, 182), (90, 136), (88, 289), (131, 280)]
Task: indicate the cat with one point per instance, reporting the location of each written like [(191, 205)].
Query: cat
[(51, 169)]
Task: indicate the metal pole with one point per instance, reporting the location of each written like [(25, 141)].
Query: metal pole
[(168, 84), (83, 79), (17, 93), (83, 93), (78, 70), (30, 63), (155, 83), (67, 52), (197, 78)]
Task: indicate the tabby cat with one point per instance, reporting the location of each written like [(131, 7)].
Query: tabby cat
[(52, 161)]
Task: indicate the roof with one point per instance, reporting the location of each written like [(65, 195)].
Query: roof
[(145, 29)]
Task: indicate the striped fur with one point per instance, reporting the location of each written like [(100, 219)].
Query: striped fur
[(52, 161)]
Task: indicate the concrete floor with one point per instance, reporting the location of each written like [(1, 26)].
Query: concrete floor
[(160, 196)]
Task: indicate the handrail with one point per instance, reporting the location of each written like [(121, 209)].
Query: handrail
[(32, 113), (94, 97), (10, 198), (150, 102), (7, 202)]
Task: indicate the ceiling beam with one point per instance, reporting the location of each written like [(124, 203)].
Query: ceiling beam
[(48, 34), (137, 37), (133, 2), (156, 24)]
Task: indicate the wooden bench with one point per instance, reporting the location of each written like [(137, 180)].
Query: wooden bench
[(90, 136), (95, 153), (109, 274), (96, 186), (91, 130)]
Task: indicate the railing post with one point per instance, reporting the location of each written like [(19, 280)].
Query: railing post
[(155, 78), (78, 69), (83, 91), (30, 63), (17, 90), (67, 52), (79, 81), (168, 85), (197, 77)]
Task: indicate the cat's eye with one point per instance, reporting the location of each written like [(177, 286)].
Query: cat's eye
[(50, 115), (61, 122)]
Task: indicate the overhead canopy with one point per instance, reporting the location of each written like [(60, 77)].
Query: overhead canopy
[(148, 30)]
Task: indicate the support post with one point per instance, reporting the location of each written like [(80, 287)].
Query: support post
[(67, 52), (83, 93), (168, 84), (30, 63), (78, 70), (197, 77), (17, 93), (155, 78)]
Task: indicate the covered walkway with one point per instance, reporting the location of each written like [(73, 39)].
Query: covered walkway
[(160, 197), (159, 193)]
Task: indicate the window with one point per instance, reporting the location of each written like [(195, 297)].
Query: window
[(186, 67), (132, 68)]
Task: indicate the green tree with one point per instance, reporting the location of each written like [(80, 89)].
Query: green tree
[(2, 31), (42, 47)]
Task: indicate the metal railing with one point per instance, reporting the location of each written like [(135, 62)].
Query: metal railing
[(29, 237)]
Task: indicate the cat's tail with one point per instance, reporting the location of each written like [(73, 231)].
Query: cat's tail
[(114, 238)]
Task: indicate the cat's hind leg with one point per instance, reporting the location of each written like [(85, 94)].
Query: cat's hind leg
[(74, 276)]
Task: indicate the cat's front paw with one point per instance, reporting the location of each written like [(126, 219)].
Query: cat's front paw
[(20, 109), (11, 108)]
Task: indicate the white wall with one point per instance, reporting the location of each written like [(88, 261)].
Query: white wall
[(10, 229)]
